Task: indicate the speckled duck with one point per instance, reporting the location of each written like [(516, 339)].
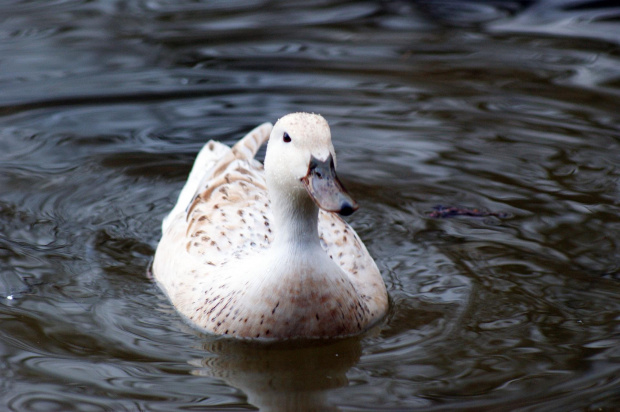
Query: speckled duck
[(257, 252)]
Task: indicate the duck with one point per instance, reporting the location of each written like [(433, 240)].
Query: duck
[(260, 251)]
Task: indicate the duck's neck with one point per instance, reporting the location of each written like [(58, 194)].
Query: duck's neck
[(295, 220)]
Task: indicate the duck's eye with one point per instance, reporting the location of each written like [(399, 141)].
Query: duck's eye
[(286, 138)]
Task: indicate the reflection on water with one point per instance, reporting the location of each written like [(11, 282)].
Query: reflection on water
[(282, 377), (509, 107)]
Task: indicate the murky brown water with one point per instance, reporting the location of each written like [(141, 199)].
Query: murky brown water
[(509, 107)]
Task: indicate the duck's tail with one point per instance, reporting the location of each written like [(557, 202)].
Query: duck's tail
[(247, 147)]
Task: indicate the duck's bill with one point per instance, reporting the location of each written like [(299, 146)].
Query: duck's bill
[(326, 190)]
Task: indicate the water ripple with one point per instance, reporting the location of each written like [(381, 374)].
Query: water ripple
[(508, 108)]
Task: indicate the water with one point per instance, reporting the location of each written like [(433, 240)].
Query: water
[(508, 107)]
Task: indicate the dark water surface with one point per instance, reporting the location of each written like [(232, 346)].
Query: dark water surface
[(510, 107)]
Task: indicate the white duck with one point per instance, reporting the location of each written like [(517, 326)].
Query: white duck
[(246, 251)]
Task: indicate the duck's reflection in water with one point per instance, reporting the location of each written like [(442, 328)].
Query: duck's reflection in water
[(286, 376)]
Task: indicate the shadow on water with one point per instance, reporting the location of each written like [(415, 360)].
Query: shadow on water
[(508, 107)]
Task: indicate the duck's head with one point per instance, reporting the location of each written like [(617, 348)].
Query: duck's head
[(300, 158)]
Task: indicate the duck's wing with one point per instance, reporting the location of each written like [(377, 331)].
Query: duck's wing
[(344, 247), (211, 160), (223, 211)]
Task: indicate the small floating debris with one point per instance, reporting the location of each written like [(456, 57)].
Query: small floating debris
[(441, 212)]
